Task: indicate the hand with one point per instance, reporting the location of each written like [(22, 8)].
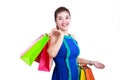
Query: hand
[(98, 64), (57, 32)]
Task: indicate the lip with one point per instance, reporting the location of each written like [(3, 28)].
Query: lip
[(65, 25)]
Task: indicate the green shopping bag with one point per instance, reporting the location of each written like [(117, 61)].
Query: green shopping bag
[(31, 54)]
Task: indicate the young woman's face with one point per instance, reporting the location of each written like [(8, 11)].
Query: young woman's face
[(63, 20)]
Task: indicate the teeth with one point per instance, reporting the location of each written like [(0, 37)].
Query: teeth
[(64, 25)]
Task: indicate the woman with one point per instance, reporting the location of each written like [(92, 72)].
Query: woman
[(64, 49)]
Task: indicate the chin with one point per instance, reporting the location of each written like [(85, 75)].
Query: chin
[(65, 28)]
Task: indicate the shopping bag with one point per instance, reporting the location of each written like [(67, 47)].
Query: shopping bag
[(30, 55), (82, 74), (45, 62), (89, 73), (86, 73)]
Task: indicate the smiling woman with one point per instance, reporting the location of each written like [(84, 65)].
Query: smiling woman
[(64, 49), (95, 23)]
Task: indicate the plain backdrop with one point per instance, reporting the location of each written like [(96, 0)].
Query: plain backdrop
[(95, 23)]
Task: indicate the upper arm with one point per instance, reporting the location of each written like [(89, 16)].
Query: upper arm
[(50, 46), (52, 39)]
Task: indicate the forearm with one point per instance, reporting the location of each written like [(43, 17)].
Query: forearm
[(84, 61)]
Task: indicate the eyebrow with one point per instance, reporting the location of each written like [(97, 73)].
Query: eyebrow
[(61, 16)]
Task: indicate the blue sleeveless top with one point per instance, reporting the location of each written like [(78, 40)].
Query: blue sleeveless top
[(66, 67)]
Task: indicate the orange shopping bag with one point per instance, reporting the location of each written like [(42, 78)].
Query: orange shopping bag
[(86, 73)]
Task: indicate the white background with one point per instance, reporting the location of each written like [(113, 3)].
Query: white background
[(95, 23)]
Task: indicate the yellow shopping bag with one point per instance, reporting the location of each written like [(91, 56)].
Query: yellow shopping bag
[(82, 74), (86, 73)]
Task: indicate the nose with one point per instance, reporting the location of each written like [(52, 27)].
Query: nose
[(64, 21)]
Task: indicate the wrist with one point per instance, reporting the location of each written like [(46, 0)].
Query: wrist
[(61, 36), (91, 62)]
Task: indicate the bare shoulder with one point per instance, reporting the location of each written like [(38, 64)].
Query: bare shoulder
[(73, 36)]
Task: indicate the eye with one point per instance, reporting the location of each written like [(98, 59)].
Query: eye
[(59, 18), (67, 17)]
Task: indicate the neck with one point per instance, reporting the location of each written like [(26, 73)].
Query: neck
[(66, 33)]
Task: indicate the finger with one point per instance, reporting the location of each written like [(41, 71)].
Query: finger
[(50, 33), (100, 66), (53, 29)]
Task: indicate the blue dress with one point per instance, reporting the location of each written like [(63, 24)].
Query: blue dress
[(66, 67)]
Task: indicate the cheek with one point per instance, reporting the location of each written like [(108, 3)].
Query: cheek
[(58, 22), (69, 21)]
